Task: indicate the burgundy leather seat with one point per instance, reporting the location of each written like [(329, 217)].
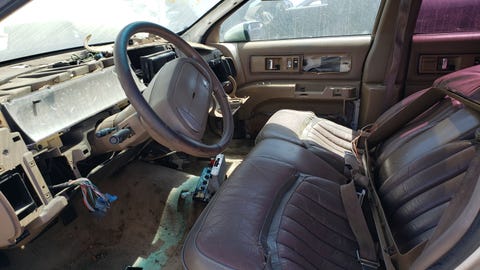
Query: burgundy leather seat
[(282, 207)]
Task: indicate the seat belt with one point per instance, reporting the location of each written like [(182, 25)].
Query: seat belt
[(366, 253)]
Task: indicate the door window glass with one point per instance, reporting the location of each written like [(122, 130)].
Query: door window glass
[(289, 19), (448, 16)]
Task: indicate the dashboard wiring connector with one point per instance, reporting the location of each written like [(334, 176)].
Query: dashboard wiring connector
[(94, 200)]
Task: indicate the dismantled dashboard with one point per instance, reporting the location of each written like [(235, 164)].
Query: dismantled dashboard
[(59, 114)]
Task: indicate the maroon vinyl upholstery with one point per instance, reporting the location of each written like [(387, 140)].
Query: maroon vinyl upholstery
[(311, 230), (281, 208), (238, 238)]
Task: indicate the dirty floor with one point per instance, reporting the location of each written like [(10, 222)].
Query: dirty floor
[(145, 227)]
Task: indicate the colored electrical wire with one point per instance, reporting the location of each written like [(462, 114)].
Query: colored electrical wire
[(363, 133), (93, 199)]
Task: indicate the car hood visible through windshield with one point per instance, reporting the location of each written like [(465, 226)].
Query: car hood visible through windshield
[(43, 26)]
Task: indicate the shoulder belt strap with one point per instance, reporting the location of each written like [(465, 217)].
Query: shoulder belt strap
[(366, 253)]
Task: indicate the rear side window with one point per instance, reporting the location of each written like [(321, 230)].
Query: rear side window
[(448, 16), (290, 19)]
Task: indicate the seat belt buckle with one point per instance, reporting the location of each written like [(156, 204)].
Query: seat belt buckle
[(367, 264)]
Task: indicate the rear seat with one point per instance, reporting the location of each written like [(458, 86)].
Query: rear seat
[(282, 207)]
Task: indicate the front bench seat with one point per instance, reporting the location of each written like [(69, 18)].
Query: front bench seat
[(271, 215), (280, 206)]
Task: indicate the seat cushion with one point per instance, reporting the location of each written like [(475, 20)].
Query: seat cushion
[(268, 212)]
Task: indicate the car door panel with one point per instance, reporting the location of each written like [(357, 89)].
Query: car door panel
[(331, 92), (434, 55)]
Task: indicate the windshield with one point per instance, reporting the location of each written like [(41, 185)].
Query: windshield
[(50, 25)]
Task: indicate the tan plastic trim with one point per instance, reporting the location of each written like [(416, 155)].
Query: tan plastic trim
[(356, 46), (315, 90), (10, 228)]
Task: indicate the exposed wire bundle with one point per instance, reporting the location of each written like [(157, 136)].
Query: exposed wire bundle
[(93, 199), (355, 142)]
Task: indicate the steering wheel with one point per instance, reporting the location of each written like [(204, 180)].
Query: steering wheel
[(174, 107)]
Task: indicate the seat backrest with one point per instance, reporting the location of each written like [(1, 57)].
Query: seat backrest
[(415, 197), (457, 234), (420, 167)]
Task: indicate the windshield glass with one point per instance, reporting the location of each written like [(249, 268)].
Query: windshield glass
[(50, 25)]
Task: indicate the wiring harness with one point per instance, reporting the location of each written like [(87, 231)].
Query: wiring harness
[(94, 200)]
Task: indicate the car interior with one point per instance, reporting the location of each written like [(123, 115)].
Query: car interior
[(256, 134)]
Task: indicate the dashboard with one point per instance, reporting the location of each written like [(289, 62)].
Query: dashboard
[(55, 126)]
